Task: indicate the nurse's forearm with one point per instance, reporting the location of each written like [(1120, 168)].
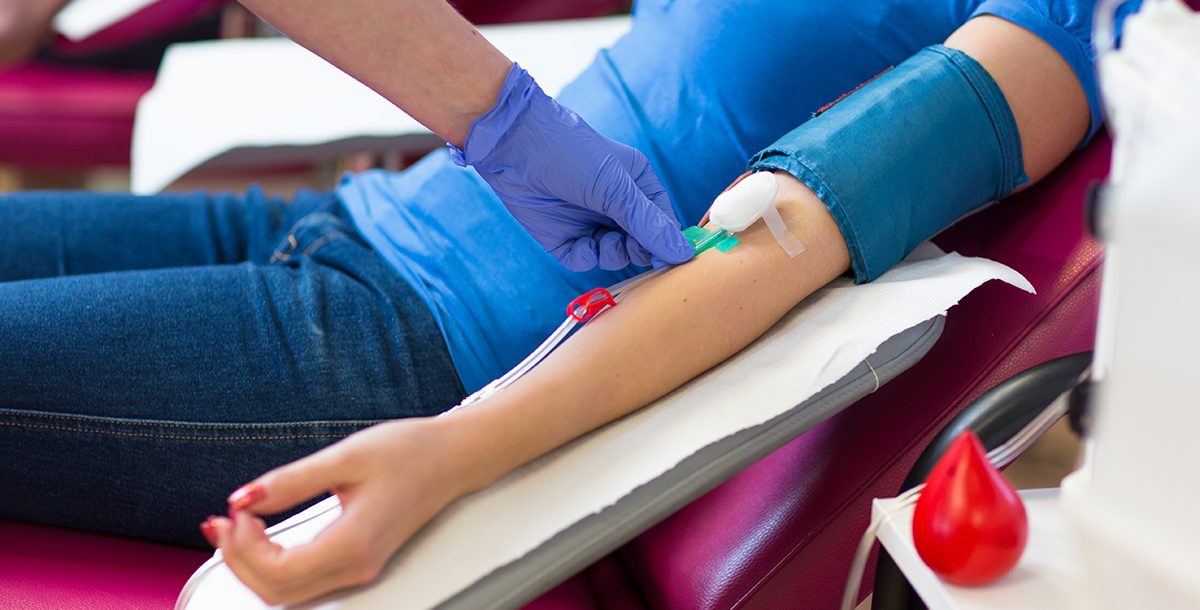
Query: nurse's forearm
[(661, 335), (419, 54), (23, 25)]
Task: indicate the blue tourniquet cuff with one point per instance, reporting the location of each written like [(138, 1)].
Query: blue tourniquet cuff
[(905, 156)]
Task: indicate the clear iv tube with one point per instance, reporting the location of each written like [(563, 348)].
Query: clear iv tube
[(553, 341), (620, 287)]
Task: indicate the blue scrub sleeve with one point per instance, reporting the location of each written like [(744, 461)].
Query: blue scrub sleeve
[(1065, 25), (905, 156)]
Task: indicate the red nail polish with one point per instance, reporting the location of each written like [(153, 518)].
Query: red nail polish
[(247, 496), (210, 531)]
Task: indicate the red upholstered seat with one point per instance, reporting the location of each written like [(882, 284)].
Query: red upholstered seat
[(68, 117), (155, 19), (44, 568), (515, 11)]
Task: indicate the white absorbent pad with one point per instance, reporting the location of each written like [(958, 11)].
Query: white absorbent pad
[(505, 545)]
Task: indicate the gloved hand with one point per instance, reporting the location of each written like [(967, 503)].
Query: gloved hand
[(586, 199)]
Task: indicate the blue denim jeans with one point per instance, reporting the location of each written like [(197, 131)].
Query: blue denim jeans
[(157, 352)]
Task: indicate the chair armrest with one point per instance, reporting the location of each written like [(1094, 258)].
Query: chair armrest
[(1003, 411)]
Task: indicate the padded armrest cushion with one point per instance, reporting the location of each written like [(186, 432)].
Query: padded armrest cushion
[(539, 524)]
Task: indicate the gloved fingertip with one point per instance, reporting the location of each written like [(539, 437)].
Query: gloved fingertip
[(611, 250), (661, 236), (578, 255), (658, 263), (676, 249), (637, 254), (579, 264)]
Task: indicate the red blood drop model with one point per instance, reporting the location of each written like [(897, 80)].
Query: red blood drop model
[(969, 525)]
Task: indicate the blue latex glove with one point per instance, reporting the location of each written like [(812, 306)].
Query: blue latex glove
[(586, 199)]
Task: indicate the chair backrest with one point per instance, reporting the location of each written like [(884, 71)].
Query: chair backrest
[(156, 19), (514, 11), (47, 568), (68, 118)]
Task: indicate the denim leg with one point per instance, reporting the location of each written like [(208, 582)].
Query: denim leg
[(47, 234), (132, 402)]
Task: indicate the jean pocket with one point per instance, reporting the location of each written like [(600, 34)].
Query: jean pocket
[(310, 234)]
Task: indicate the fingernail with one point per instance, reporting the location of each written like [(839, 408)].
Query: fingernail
[(247, 496), (209, 529)]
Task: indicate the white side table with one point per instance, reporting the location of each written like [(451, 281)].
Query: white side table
[(1048, 576)]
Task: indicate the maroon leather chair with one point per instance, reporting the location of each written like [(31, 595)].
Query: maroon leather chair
[(155, 19), (43, 568), (782, 532), (65, 116), (516, 11), (54, 117)]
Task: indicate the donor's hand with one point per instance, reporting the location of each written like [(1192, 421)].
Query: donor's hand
[(390, 478)]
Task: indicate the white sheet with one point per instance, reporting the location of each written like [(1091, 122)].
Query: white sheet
[(813, 346), (269, 100)]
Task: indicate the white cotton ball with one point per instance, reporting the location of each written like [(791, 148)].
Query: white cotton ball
[(741, 206)]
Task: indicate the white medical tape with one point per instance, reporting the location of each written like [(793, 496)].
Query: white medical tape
[(780, 232)]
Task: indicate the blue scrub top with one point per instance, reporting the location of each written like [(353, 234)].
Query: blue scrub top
[(699, 87)]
